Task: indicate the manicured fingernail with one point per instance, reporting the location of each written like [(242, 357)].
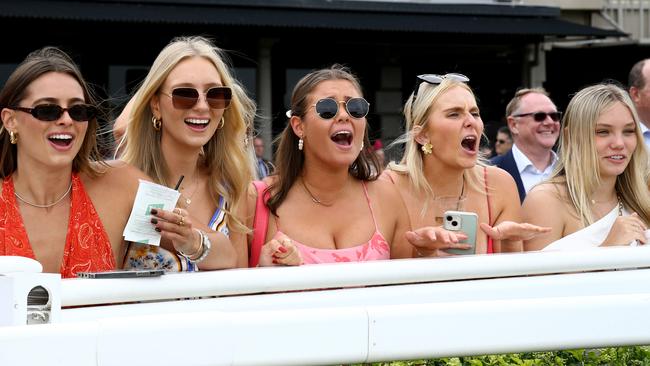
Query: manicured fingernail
[(157, 229), (282, 249), (154, 211), (275, 261), (154, 220)]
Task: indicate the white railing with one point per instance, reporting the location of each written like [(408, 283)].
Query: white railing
[(348, 313), (251, 281)]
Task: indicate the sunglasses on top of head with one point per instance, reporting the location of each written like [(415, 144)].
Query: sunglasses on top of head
[(541, 116), (52, 112), (185, 98), (435, 79), (328, 108)]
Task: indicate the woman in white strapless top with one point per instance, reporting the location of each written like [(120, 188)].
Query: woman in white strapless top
[(597, 195)]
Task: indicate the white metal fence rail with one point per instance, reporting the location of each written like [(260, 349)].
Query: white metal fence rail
[(387, 311)]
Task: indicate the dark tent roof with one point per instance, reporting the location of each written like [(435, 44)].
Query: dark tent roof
[(488, 19)]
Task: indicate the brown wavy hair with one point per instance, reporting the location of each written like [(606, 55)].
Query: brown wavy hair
[(35, 65), (289, 161)]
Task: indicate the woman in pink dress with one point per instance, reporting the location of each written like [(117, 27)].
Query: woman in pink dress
[(324, 204)]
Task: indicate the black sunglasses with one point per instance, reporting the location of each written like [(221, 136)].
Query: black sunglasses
[(436, 79), (541, 116), (186, 98), (328, 108), (52, 112)]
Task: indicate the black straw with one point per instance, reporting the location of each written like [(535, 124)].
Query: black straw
[(180, 180)]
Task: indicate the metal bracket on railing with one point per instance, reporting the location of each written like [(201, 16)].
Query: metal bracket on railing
[(26, 295)]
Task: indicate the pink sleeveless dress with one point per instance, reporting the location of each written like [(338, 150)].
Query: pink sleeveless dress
[(376, 248)]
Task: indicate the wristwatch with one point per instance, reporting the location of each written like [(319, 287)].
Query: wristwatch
[(206, 244), (203, 251)]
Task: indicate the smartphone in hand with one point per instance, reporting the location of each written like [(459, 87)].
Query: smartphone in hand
[(465, 222)]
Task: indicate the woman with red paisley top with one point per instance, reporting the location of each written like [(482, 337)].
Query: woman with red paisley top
[(60, 203)]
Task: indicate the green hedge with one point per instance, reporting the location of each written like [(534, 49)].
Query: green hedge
[(620, 356)]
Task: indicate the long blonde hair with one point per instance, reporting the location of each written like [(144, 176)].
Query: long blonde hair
[(225, 155), (416, 114), (578, 166)]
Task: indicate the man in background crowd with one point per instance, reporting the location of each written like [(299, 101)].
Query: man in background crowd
[(264, 167), (534, 123), (640, 94), (503, 142)]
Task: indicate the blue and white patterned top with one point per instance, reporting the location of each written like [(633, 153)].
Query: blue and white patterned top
[(144, 256)]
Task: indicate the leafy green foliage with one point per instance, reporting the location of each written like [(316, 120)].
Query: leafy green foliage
[(619, 356)]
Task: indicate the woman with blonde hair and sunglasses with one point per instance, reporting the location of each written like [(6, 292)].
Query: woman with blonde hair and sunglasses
[(441, 171), (598, 193), (324, 203), (60, 203), (190, 118)]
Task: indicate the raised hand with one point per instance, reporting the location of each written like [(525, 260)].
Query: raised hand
[(510, 230), (176, 226), (432, 241)]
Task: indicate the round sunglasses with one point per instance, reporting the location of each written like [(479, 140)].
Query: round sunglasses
[(52, 112), (541, 116), (328, 108), (185, 98)]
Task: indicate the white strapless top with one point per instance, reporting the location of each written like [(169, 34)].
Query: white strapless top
[(591, 236)]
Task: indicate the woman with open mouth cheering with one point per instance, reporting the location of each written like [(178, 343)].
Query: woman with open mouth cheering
[(60, 203), (440, 172), (324, 203), (190, 118)]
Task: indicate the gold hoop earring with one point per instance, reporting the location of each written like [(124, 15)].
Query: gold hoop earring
[(157, 123), (221, 123), (301, 144), (427, 148), (13, 137)]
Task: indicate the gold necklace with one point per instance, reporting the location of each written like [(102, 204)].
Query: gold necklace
[(593, 202), (44, 206), (619, 203), (188, 199), (313, 198)]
